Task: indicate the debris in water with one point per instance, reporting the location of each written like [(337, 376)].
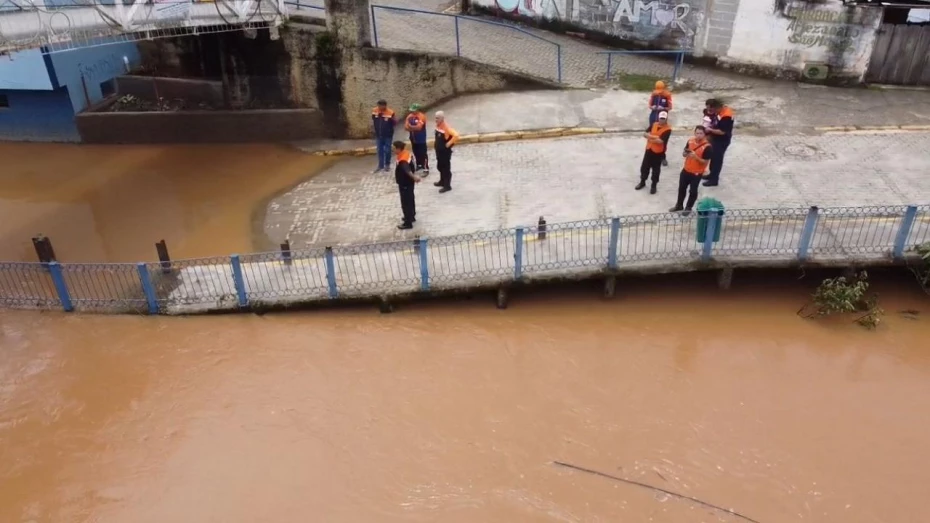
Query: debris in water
[(657, 489)]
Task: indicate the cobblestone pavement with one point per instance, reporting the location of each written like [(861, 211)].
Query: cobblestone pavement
[(509, 184)]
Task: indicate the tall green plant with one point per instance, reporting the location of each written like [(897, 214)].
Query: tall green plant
[(843, 295)]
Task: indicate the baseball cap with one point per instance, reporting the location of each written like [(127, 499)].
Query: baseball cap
[(415, 107), (663, 114)]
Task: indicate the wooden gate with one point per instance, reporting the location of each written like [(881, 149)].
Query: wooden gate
[(901, 55)]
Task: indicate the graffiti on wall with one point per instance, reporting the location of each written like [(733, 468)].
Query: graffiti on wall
[(811, 28), (551, 9), (642, 20), (103, 68)]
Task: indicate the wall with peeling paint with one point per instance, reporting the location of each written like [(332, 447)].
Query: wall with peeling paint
[(667, 24), (786, 35)]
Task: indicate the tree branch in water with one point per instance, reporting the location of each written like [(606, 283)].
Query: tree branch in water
[(657, 489)]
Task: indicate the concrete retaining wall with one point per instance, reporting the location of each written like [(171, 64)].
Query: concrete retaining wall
[(785, 40), (271, 125), (657, 24), (151, 88), (779, 38), (404, 77)]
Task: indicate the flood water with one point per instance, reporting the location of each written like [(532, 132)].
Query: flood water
[(455, 412), (112, 203)]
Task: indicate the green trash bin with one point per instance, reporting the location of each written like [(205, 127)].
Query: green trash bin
[(705, 208)]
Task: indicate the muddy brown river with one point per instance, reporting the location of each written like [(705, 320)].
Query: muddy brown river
[(455, 412), (112, 203)]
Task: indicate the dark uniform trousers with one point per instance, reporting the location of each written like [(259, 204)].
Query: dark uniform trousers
[(408, 203), (420, 154), (652, 161), (687, 183), (444, 164), (717, 152)]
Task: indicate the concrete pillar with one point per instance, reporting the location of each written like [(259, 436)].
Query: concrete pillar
[(610, 286), (349, 21), (725, 278), (502, 297), (385, 306)]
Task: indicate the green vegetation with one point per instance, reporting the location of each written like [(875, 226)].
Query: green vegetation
[(636, 82), (844, 295), (923, 271), (641, 82)]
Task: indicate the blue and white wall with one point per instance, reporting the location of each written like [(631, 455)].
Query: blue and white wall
[(40, 93)]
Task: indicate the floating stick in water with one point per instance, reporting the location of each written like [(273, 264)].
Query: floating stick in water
[(644, 485)]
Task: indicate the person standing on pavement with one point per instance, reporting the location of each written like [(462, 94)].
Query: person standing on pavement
[(406, 181), (660, 100), (445, 139), (697, 155), (657, 136), (383, 122), (415, 124), (720, 137)]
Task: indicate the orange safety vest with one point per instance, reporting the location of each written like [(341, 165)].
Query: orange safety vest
[(403, 156), (696, 166), (656, 131), (726, 112)]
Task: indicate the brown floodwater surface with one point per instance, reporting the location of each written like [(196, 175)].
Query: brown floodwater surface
[(112, 203), (455, 413)]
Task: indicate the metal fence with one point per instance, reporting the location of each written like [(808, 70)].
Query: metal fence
[(632, 63), (414, 29), (654, 242)]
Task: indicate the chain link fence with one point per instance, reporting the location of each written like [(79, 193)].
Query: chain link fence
[(660, 242)]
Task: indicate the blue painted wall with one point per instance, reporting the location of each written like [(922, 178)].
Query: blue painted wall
[(38, 116), (95, 65), (24, 70)]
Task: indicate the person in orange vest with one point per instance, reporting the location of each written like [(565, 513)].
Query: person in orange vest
[(383, 122), (406, 181), (657, 136), (720, 136), (660, 100), (445, 139), (697, 155), (415, 124)]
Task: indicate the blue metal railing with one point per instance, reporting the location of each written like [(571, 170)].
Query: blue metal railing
[(755, 236), (679, 59), (458, 37)]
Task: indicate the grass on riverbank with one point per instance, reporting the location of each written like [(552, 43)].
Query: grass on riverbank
[(642, 82)]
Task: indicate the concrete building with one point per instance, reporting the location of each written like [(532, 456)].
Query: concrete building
[(41, 92), (844, 40)]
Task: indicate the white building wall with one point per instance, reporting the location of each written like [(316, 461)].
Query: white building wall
[(787, 34)]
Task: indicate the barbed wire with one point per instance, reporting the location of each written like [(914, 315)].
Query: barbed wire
[(131, 21)]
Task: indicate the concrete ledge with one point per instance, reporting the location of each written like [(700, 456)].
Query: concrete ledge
[(560, 132), (850, 128)]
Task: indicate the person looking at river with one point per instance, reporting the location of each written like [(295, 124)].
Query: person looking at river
[(406, 181)]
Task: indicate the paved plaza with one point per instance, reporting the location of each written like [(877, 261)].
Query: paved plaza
[(513, 183)]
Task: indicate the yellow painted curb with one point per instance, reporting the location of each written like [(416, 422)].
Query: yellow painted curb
[(558, 132), (834, 128), (498, 137), (544, 133), (576, 131)]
